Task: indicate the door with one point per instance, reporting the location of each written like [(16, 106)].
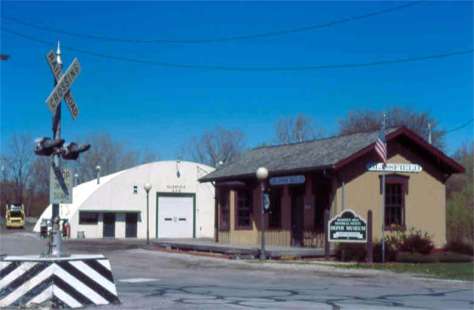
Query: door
[(131, 225), (297, 223), (322, 201), (176, 215), (109, 225)]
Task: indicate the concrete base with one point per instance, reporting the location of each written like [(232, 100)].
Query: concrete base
[(59, 282), (239, 251)]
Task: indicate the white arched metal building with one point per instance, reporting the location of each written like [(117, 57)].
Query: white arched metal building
[(179, 205)]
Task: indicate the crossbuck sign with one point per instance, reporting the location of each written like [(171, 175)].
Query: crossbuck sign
[(64, 83)]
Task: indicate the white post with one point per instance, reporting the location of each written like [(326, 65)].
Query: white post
[(429, 133), (147, 188), (262, 174), (383, 193)]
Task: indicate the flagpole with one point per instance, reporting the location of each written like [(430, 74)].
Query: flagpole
[(383, 194)]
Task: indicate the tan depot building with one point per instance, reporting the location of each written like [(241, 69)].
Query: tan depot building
[(341, 172)]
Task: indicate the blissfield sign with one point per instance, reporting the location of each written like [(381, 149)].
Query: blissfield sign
[(287, 180), (394, 167), (347, 226)]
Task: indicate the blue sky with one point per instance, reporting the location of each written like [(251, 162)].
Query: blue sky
[(157, 108)]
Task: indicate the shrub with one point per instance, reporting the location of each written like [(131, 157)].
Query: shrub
[(416, 242), (459, 247), (390, 251), (351, 252), (443, 257)]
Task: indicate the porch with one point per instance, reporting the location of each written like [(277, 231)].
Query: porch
[(237, 251), (295, 217)]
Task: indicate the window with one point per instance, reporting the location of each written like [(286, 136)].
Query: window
[(16, 214), (274, 217), (394, 204), (244, 209), (88, 218), (224, 209), (396, 187)]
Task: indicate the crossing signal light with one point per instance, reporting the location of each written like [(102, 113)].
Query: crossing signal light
[(72, 150), (47, 146)]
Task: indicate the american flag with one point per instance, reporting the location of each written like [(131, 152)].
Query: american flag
[(381, 147)]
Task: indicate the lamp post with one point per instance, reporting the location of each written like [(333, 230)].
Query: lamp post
[(147, 188), (262, 175), (97, 169)]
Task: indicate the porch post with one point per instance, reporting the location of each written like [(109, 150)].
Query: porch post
[(370, 257), (308, 213), (326, 234)]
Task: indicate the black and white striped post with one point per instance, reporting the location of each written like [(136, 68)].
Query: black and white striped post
[(66, 282)]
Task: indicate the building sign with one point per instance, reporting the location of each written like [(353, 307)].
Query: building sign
[(176, 188), (287, 180), (393, 167), (347, 226), (60, 185)]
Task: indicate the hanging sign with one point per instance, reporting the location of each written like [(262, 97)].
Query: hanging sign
[(347, 226), (266, 202), (394, 167)]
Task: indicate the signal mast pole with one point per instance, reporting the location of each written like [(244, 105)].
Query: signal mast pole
[(55, 246)]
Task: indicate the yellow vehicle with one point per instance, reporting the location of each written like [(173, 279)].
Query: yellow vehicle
[(15, 216)]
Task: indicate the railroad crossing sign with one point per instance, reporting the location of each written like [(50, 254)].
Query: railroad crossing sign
[(64, 83)]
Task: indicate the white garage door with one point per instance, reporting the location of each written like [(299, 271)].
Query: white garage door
[(175, 217)]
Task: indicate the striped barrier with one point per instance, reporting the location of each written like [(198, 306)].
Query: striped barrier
[(72, 282)]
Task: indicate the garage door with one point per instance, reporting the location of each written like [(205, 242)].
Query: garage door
[(176, 216)]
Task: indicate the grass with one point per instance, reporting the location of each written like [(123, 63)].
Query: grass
[(453, 271)]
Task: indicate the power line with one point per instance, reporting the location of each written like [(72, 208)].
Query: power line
[(218, 39), (460, 127), (248, 68)]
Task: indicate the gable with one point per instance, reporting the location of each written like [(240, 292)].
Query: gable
[(404, 139)]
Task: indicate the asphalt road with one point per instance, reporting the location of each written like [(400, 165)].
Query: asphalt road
[(148, 279)]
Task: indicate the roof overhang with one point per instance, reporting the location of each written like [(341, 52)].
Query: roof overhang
[(274, 173)]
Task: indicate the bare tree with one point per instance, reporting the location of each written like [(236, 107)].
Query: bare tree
[(40, 175), (17, 165), (37, 197), (465, 156), (296, 129), (110, 155), (215, 146), (419, 122), (148, 156)]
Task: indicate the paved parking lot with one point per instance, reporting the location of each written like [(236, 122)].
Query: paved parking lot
[(148, 279)]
